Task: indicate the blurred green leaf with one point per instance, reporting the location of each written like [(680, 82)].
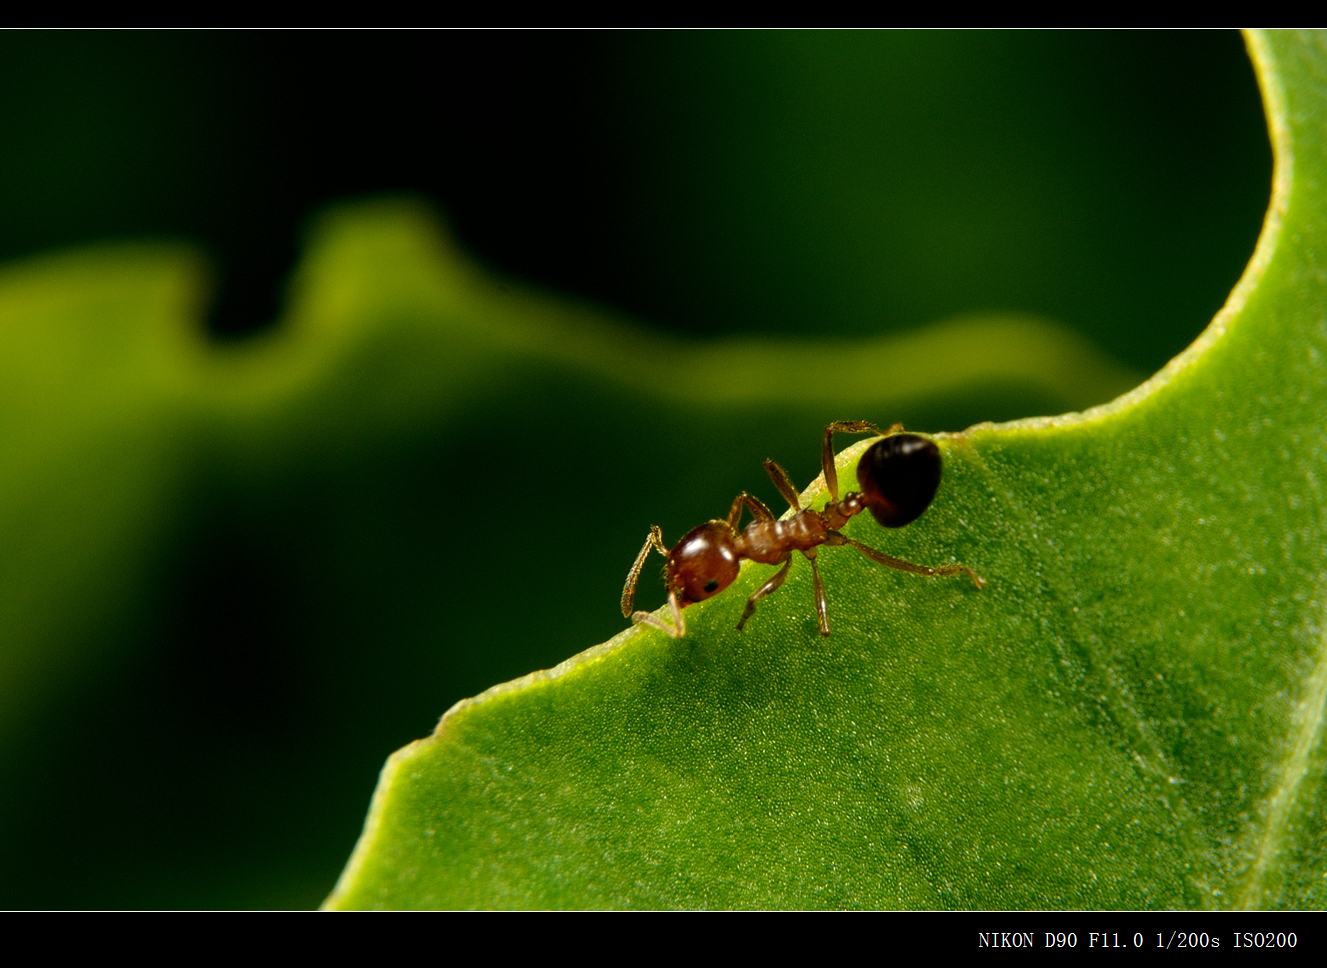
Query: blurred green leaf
[(110, 395), (1129, 715)]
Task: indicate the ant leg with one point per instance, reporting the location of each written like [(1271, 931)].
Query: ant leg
[(758, 509), (784, 483), (772, 585), (677, 629), (655, 540), (827, 449), (822, 605), (889, 561)]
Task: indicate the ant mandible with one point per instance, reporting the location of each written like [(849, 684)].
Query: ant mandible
[(898, 475)]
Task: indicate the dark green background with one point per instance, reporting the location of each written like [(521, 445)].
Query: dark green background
[(299, 627)]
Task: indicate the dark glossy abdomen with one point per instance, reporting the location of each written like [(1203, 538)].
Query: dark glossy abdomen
[(899, 476)]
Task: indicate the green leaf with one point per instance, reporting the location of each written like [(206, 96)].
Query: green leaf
[(1130, 714), (332, 446)]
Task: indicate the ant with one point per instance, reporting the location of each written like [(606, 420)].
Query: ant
[(898, 475)]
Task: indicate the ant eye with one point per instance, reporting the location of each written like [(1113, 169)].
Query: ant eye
[(899, 477), (711, 585)]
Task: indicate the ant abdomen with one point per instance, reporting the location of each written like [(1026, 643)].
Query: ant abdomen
[(899, 476), (703, 563)]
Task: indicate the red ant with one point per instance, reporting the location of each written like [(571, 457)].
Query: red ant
[(898, 475)]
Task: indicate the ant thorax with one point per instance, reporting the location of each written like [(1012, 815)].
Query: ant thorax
[(768, 542)]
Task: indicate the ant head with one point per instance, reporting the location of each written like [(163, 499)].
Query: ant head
[(899, 477), (703, 563)]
